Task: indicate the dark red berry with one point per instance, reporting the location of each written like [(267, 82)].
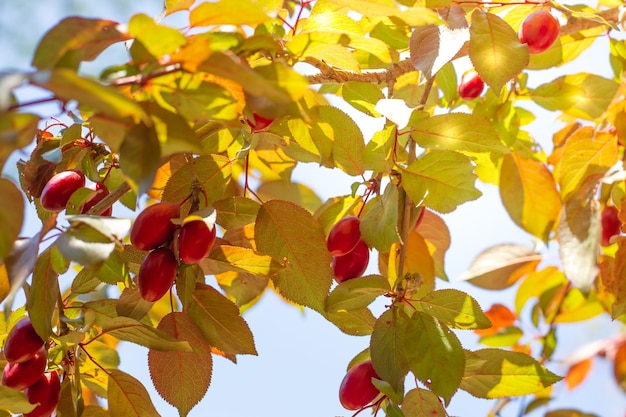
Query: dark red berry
[(195, 240), (21, 375), (344, 236), (59, 189), (471, 85), (357, 390), (47, 392), (101, 192), (23, 342), (156, 274), (353, 264), (611, 224), (153, 226)]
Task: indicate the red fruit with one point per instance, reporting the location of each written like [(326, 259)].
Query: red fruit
[(23, 342), (471, 85), (47, 392), (610, 224), (101, 192), (195, 240), (153, 226), (344, 236), (59, 189), (420, 218), (539, 31), (357, 390), (22, 375), (352, 264), (156, 274), (260, 122)]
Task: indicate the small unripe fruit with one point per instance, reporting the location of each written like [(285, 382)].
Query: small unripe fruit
[(156, 274), (611, 224), (353, 264), (357, 390), (47, 392), (471, 85), (344, 236), (153, 226), (24, 374), (539, 31), (101, 192), (195, 241), (23, 342), (59, 189)]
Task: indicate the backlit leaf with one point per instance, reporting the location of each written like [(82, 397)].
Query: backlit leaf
[(379, 223), (569, 412), (358, 322), (158, 40), (14, 401), (347, 139), (577, 373), (290, 235), (43, 295), (233, 258), (125, 328), (126, 396), (387, 348), (437, 236), (356, 293), (454, 308), (538, 283), (140, 157), (223, 13), (435, 354), (495, 49), (500, 316), (219, 320), (501, 266), (362, 96), (421, 403), (11, 215), (528, 192), (17, 130), (442, 179), (299, 194), (236, 212), (172, 6), (241, 287), (497, 373), (182, 379)]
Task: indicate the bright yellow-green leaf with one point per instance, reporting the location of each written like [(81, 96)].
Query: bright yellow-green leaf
[(460, 132), (356, 293), (380, 220), (199, 101), (224, 12), (501, 266), (582, 95), (497, 373), (528, 192), (140, 157), (455, 309), (290, 235), (233, 258), (171, 371), (158, 40), (14, 401), (536, 284), (125, 328), (495, 49), (418, 264), (586, 154), (437, 236), (387, 348), (565, 49), (362, 96), (377, 154), (76, 39), (126, 396), (358, 322), (11, 216), (413, 16), (172, 6), (442, 179), (299, 194)]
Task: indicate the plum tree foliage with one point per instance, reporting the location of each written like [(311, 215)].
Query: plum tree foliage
[(241, 93)]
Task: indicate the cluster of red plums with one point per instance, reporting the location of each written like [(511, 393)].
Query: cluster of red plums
[(58, 190), (538, 31), (27, 361), (350, 253), (610, 224), (155, 231)]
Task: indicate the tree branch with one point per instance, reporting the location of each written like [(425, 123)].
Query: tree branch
[(107, 201)]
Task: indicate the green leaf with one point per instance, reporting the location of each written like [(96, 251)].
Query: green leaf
[(387, 348), (223, 13), (125, 328), (43, 295), (67, 85), (528, 192), (358, 322), (454, 308), (131, 304), (67, 403), (582, 95), (198, 101), (11, 216), (236, 212), (507, 337), (241, 287), (76, 39), (140, 157), (421, 403), (299, 194), (380, 222), (173, 131), (234, 258), (442, 179), (290, 235), (412, 16), (497, 373), (435, 354), (362, 96), (379, 148), (14, 401), (495, 50), (219, 319), (465, 133), (126, 396), (356, 293), (433, 46), (158, 40), (170, 371), (501, 266)]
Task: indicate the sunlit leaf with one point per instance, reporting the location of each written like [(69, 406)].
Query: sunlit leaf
[(420, 402), (538, 283), (500, 266), (140, 157), (14, 401), (290, 235), (125, 328), (358, 322), (577, 373), (17, 129), (454, 308), (387, 348), (496, 373), (442, 179), (223, 13), (171, 371), (11, 215), (300, 194), (126, 396), (158, 40), (233, 258), (236, 212), (437, 236), (379, 223), (500, 316), (172, 6), (495, 49), (356, 293), (362, 96)]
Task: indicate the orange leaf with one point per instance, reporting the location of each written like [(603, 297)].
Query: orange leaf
[(619, 366), (577, 373), (501, 317)]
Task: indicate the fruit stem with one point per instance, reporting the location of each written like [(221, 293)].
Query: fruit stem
[(107, 201)]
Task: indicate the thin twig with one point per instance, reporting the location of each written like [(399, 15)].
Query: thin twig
[(108, 201)]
